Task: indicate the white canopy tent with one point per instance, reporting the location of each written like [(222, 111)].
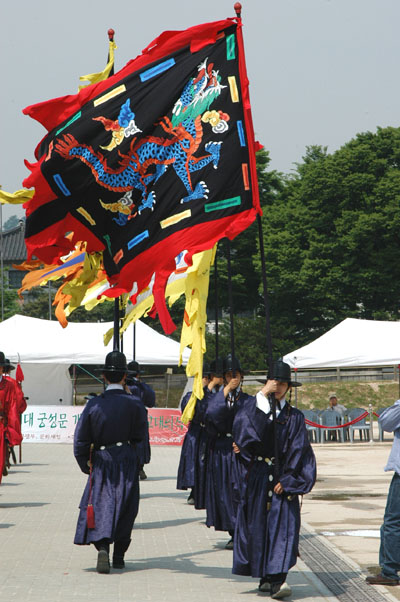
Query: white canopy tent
[(351, 343), (46, 351)]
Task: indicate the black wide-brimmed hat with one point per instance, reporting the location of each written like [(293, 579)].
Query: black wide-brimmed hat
[(115, 362), (2, 359), (231, 364), (217, 366), (280, 371), (133, 368), (8, 365)]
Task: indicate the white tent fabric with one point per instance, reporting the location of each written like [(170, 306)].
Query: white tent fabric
[(351, 343), (47, 384), (46, 350)]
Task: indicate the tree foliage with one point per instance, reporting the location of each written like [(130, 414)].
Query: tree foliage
[(331, 237), (11, 222)]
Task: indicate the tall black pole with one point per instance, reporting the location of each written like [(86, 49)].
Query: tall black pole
[(116, 343), (110, 34), (116, 324), (230, 297), (269, 339), (216, 307)]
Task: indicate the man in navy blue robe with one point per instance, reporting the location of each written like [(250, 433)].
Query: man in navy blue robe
[(268, 523), (224, 470), (106, 434), (148, 397), (192, 459)]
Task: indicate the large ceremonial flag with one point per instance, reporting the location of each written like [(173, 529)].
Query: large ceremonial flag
[(157, 159)]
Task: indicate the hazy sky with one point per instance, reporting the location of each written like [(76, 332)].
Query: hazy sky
[(320, 70)]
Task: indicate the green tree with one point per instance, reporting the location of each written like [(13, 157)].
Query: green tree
[(9, 301), (11, 223), (331, 237), (245, 272), (38, 304)]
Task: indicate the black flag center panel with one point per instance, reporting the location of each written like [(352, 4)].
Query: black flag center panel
[(160, 161)]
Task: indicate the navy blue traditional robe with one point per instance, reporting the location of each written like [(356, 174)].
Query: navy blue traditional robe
[(148, 397), (225, 472), (201, 457), (267, 529), (193, 460), (114, 416), (185, 478)]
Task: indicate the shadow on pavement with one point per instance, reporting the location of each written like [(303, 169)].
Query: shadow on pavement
[(25, 505), (165, 523), (179, 563), (178, 494)]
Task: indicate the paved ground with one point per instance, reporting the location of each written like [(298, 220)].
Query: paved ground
[(173, 556)]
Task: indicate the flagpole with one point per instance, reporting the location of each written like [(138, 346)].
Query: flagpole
[(116, 324), (238, 10), (269, 340), (232, 331), (111, 34), (134, 341), (116, 340), (216, 306)]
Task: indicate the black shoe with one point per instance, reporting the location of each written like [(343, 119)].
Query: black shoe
[(229, 545), (264, 585), (190, 500), (280, 590), (103, 562), (118, 562), (142, 475), (381, 580)]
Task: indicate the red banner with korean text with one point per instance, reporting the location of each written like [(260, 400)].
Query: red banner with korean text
[(165, 427), (54, 424)]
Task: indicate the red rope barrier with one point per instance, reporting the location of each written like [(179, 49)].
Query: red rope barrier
[(337, 426)]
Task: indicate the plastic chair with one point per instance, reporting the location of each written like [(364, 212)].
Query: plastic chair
[(313, 431), (362, 426), (331, 418), (380, 429)]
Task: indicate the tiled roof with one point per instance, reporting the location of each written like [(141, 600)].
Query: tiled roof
[(14, 248)]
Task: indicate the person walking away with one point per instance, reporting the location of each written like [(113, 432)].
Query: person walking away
[(104, 446)]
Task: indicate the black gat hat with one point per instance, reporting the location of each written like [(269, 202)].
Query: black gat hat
[(3, 361), (281, 371), (231, 364), (115, 362)]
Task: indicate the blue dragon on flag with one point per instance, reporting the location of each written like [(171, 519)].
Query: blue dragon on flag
[(150, 157)]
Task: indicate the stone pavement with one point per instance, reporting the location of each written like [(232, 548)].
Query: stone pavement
[(173, 556)]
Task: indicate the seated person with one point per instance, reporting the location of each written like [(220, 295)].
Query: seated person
[(334, 405)]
